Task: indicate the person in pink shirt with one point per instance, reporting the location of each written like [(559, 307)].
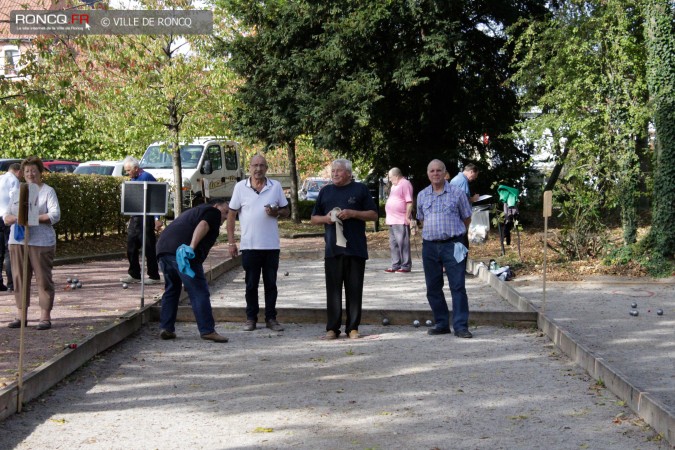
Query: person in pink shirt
[(399, 212)]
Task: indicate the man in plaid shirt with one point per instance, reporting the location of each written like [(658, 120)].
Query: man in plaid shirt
[(446, 213)]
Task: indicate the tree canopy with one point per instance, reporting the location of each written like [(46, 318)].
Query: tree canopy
[(583, 66), (395, 83)]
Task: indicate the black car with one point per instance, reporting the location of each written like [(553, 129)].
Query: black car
[(5, 163)]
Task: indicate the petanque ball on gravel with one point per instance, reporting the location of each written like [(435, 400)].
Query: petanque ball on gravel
[(79, 285), (659, 312), (124, 285), (416, 323), (634, 313), (385, 321), (429, 323), (73, 286), (69, 280), (285, 274), (633, 305), (75, 280)]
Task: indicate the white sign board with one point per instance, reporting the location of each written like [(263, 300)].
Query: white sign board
[(33, 208), (28, 197)]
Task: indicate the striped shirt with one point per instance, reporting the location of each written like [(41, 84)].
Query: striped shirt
[(443, 214)]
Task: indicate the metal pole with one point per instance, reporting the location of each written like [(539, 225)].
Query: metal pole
[(518, 234), (145, 209)]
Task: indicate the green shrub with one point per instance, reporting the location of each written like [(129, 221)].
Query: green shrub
[(640, 253), (90, 204), (305, 208)]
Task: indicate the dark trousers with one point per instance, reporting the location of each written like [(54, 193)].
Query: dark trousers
[(5, 260), (135, 244), (255, 263), (347, 271)]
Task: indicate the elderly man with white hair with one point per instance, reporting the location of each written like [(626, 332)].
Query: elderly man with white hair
[(343, 209)]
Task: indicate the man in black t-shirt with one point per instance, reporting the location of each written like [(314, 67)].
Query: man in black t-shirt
[(343, 209), (197, 228)]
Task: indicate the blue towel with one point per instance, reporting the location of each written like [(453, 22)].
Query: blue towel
[(460, 252), (19, 232), (184, 254)]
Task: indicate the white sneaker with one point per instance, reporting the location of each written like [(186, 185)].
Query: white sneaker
[(149, 281), (130, 279)]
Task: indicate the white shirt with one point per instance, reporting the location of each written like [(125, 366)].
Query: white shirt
[(42, 235), (8, 183), (258, 230)]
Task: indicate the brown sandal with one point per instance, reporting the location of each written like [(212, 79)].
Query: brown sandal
[(16, 323), (44, 325)]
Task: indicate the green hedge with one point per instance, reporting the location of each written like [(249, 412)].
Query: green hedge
[(90, 204), (305, 208)]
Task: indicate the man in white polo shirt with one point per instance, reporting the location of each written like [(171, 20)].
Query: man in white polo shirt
[(259, 202)]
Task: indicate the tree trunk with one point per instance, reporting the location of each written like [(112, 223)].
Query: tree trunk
[(629, 189), (555, 174), (174, 128), (295, 215)]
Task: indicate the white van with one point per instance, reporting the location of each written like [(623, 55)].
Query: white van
[(209, 164)]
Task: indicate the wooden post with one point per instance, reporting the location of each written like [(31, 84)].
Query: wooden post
[(27, 216), (548, 209)]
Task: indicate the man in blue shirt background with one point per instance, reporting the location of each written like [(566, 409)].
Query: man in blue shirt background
[(135, 234), (462, 180)]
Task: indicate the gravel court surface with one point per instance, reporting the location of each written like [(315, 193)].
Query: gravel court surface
[(305, 287), (396, 388), (596, 312)]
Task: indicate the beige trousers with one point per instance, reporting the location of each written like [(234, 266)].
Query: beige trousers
[(40, 263)]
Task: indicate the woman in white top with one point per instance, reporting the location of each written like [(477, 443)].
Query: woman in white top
[(41, 244)]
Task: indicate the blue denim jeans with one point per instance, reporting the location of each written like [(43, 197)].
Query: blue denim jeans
[(197, 289), (254, 263), (435, 256)]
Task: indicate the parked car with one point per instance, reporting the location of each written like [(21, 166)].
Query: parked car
[(54, 165), (5, 163), (311, 187), (114, 168)]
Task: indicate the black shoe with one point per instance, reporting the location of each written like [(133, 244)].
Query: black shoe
[(434, 331), (466, 334), (273, 325), (166, 335), (3, 288)]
